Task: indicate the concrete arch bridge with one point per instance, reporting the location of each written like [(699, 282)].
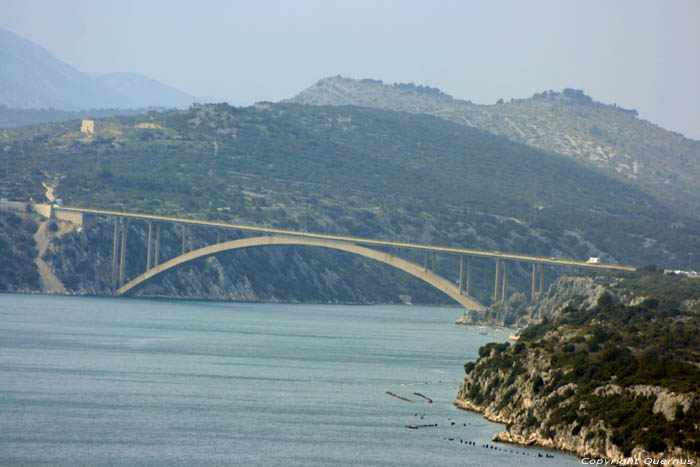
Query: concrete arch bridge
[(273, 236), (437, 281)]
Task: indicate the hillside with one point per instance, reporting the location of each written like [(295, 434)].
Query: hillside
[(348, 170), (15, 118), (569, 123), (608, 381), (32, 78)]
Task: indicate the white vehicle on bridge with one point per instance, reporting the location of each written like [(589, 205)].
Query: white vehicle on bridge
[(593, 260)]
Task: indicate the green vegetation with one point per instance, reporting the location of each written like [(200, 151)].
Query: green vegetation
[(567, 122), (594, 365), (17, 253), (354, 171)]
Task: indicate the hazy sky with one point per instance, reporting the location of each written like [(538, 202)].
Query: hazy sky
[(639, 54)]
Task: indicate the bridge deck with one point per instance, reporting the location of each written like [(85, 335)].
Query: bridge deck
[(356, 240)]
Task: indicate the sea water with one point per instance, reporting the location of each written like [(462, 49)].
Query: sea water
[(102, 381)]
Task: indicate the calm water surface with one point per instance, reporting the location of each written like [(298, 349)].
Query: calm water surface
[(100, 381)]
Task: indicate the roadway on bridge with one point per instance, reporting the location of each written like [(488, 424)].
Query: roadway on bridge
[(355, 240)]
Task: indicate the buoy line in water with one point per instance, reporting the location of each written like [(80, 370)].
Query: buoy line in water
[(404, 385), (498, 448), (427, 399), (415, 427), (398, 396), (453, 423)]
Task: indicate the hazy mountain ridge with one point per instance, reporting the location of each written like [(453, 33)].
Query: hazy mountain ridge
[(31, 77), (568, 123), (138, 89)]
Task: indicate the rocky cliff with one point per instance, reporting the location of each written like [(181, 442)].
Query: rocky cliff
[(534, 418), (610, 381), (519, 311)]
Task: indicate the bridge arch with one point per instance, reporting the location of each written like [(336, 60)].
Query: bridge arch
[(430, 277)]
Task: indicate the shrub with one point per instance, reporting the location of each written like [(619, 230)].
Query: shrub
[(468, 367)]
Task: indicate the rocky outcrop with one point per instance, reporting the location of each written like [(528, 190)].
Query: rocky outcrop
[(44, 234), (517, 386), (666, 402), (565, 291)]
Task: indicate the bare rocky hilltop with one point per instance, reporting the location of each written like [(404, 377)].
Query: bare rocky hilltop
[(568, 122)]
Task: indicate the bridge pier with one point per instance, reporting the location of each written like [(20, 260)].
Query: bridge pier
[(469, 276), (495, 284), (155, 260), (425, 262), (505, 281), (541, 277), (114, 255), (148, 254), (125, 227), (461, 271), (534, 275), (184, 234)]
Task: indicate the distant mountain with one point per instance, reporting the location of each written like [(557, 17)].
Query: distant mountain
[(139, 90), (30, 77), (569, 123)]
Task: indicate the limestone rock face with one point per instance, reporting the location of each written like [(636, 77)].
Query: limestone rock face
[(519, 312), (666, 403), (517, 396)]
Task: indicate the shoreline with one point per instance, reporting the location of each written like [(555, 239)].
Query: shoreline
[(214, 300), (583, 452), (504, 436)]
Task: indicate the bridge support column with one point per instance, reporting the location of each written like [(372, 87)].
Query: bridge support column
[(184, 234), (114, 254), (495, 284), (217, 236), (125, 227), (505, 281), (155, 260), (541, 277), (148, 254), (534, 275), (461, 271), (469, 275), (425, 262)]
